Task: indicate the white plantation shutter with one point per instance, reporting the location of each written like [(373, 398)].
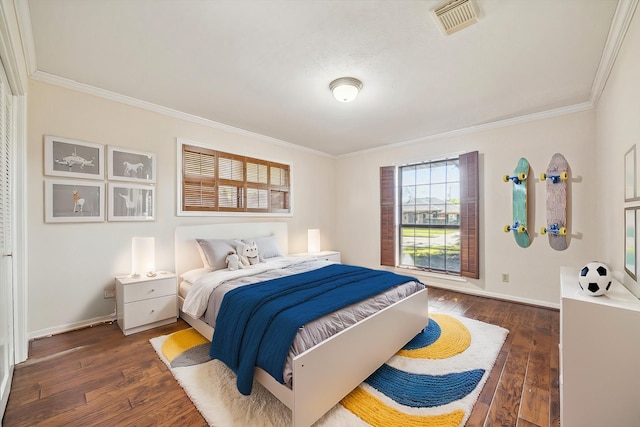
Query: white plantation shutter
[(5, 187), (7, 137)]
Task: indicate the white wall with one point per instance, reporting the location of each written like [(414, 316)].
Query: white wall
[(618, 129), (69, 265), (534, 272)]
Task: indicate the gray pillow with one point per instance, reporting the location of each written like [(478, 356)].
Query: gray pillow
[(214, 252), (267, 246)]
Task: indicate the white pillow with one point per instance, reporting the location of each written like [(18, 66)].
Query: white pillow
[(214, 252), (267, 246), (192, 275)]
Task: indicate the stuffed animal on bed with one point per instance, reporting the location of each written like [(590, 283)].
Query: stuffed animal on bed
[(248, 253), (233, 261)]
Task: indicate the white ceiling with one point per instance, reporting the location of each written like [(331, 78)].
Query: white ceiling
[(265, 66)]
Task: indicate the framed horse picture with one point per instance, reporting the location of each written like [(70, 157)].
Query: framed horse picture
[(131, 165)]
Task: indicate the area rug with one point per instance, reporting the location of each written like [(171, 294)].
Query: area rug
[(433, 381)]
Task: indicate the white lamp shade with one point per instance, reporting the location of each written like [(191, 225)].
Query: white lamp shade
[(143, 255), (313, 240)]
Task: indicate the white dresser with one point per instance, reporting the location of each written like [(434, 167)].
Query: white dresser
[(146, 302), (599, 356)]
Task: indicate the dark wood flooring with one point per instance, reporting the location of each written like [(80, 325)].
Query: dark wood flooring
[(97, 376)]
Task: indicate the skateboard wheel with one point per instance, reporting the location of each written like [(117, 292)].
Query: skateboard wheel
[(505, 178), (563, 231), (564, 176), (543, 231), (522, 229), (522, 176), (543, 176), (507, 228)]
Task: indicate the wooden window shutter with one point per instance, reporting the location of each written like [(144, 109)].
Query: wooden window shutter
[(225, 182), (469, 216), (387, 216), (198, 178)]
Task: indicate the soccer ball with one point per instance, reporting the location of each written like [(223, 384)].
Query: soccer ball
[(595, 279)]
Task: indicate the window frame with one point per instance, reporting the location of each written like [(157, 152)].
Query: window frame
[(216, 180), (469, 217), (430, 224)]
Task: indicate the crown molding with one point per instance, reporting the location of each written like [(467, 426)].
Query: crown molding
[(576, 108), (134, 102), (617, 32)]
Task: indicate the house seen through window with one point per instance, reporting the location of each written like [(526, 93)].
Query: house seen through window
[(429, 223)]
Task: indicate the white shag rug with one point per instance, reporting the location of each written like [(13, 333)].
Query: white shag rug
[(211, 385)]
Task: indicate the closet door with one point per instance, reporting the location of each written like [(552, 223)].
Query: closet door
[(7, 137)]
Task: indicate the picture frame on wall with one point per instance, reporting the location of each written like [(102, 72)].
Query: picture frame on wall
[(630, 190), (131, 202), (631, 216), (73, 201), (131, 165), (73, 158)]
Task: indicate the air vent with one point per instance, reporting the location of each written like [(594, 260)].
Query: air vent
[(455, 15)]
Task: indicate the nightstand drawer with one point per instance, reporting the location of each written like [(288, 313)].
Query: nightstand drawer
[(150, 310), (149, 289), (334, 257)]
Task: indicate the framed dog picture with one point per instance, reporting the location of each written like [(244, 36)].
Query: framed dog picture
[(67, 200), (131, 165)]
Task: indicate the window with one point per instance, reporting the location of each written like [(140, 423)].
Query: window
[(430, 215), (437, 211), (215, 181)]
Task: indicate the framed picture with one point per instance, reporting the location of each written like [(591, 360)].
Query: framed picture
[(73, 201), (131, 202), (631, 216), (630, 192), (130, 165), (72, 158)]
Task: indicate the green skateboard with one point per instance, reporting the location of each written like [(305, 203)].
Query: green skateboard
[(519, 225)]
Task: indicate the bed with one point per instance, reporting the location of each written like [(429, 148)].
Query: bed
[(350, 355)]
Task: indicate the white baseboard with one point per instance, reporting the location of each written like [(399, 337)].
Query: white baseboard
[(493, 295), (70, 327)]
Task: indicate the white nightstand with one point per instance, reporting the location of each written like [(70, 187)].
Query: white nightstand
[(146, 302), (324, 255)]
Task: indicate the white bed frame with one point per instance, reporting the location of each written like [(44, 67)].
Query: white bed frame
[(349, 356)]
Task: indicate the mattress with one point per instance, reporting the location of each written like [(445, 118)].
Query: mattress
[(213, 286)]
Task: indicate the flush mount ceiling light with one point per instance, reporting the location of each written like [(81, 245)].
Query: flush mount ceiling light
[(345, 89)]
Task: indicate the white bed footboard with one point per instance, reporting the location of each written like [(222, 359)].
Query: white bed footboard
[(349, 356)]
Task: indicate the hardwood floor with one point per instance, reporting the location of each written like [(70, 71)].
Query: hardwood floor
[(97, 376)]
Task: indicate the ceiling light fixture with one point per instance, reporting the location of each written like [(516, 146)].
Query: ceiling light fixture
[(345, 89)]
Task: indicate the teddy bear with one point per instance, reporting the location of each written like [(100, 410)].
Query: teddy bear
[(248, 253), (233, 261)]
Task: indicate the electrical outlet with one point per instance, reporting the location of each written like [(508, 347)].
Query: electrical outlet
[(505, 277), (109, 293)]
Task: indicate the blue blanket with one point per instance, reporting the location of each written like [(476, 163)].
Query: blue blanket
[(256, 324)]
